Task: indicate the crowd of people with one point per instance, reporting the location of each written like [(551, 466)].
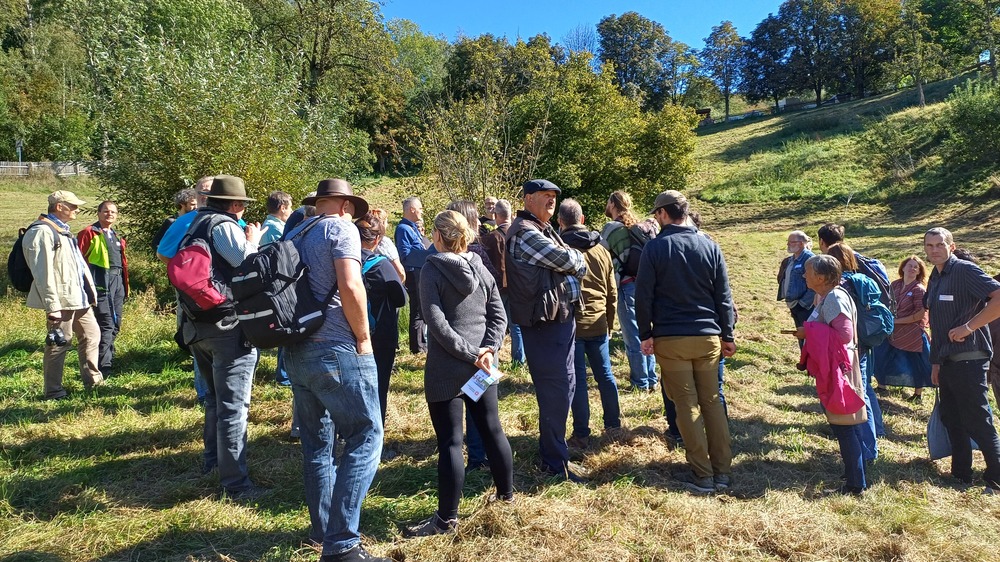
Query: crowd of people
[(556, 292)]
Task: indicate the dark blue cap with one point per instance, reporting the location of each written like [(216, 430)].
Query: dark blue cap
[(531, 186)]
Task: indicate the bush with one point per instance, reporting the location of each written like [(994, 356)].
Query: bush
[(972, 121)]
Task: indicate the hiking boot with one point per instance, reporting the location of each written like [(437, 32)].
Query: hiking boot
[(722, 482), (356, 554), (616, 434), (571, 471), (577, 442), (696, 484), (431, 526)]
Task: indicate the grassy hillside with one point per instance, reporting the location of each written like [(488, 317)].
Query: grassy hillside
[(114, 475), (820, 154)]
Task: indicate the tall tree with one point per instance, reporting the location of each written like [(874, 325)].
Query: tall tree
[(680, 64), (634, 46), (721, 59), (765, 62), (868, 27), (813, 31), (984, 27), (582, 39), (918, 55)]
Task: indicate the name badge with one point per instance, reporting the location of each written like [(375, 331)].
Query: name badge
[(799, 266), (946, 298), (910, 294)]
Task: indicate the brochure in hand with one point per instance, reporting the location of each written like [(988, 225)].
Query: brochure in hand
[(481, 381)]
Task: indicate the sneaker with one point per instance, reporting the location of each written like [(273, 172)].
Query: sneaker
[(577, 442), (722, 482), (500, 498), (697, 485), (846, 490), (247, 495), (356, 554), (295, 432), (616, 434), (431, 526)]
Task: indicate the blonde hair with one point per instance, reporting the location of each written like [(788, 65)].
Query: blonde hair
[(456, 235), (623, 203)]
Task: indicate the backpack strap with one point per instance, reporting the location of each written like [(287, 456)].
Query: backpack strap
[(59, 232), (307, 226)]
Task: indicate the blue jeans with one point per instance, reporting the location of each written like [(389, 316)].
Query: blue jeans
[(200, 386), (280, 375), (549, 348), (516, 341), (336, 393), (227, 365), (869, 444), (851, 451), (596, 351), (642, 368), (868, 372)]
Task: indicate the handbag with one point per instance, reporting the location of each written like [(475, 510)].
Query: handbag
[(938, 442)]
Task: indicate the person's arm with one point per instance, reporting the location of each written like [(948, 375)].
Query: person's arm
[(843, 327), (535, 249), (354, 301), (39, 252), (645, 288), (988, 314), (496, 316)]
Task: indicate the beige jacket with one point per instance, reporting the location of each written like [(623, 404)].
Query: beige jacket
[(58, 283)]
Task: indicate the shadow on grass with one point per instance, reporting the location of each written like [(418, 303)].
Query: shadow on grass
[(32, 556), (198, 544)]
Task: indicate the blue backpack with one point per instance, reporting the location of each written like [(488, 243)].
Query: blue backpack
[(370, 263), (875, 321)]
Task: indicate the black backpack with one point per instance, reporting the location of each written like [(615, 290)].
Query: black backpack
[(18, 271), (637, 238), (274, 300)]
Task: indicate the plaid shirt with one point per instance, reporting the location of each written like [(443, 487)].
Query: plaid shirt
[(535, 248)]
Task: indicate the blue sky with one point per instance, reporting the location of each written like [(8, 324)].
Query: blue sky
[(689, 21)]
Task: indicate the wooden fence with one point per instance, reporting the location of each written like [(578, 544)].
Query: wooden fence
[(25, 169)]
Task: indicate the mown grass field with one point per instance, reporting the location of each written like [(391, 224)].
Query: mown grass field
[(114, 475)]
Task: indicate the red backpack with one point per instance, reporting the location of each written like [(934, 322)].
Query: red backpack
[(203, 294)]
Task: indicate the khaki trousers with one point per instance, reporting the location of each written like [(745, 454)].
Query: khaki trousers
[(689, 367), (83, 323)]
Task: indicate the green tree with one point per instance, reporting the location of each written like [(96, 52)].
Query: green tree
[(765, 63), (634, 45), (813, 31), (721, 59), (868, 27), (680, 65), (918, 56)]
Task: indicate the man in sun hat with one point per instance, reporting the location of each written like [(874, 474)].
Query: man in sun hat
[(335, 378), (687, 320), (224, 358), (65, 290)]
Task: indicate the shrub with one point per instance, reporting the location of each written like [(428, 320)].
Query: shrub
[(972, 121)]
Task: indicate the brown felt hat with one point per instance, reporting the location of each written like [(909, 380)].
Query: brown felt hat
[(336, 187), (229, 187)]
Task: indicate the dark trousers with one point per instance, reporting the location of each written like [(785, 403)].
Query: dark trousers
[(385, 358), (108, 313), (447, 417), (549, 348), (965, 412), (418, 332)]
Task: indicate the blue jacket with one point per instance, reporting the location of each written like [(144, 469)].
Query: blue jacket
[(797, 289), (682, 288), (410, 246)]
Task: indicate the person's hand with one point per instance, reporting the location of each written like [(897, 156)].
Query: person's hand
[(252, 232), (935, 372), (54, 317), (485, 359), (960, 333), (365, 347), (728, 348), (800, 333), (647, 346)]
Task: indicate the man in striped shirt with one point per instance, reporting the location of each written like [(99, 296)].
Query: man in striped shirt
[(962, 301)]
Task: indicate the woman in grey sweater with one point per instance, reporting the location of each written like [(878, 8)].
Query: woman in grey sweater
[(465, 324)]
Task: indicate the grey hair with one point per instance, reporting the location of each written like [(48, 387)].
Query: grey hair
[(570, 212), (408, 202), (827, 267), (944, 233), (806, 241), (502, 208)]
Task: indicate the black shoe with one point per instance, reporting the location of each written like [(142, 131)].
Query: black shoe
[(248, 495), (431, 526), (571, 471), (356, 554), (916, 398), (851, 491), (481, 465)]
